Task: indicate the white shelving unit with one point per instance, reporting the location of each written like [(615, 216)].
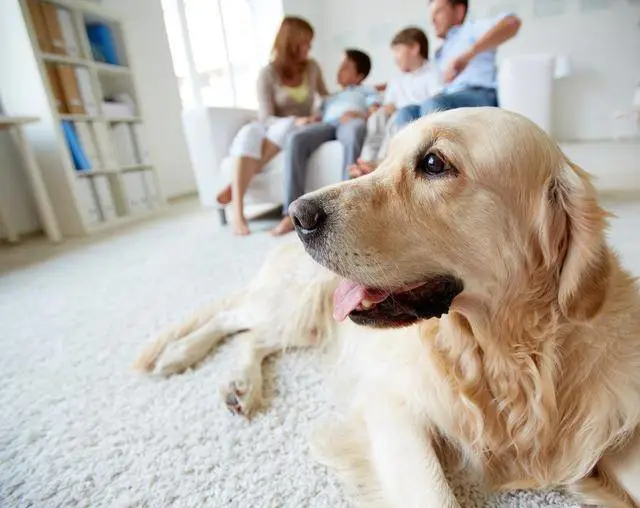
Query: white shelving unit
[(103, 196)]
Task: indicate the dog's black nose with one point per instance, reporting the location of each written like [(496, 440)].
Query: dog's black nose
[(307, 215)]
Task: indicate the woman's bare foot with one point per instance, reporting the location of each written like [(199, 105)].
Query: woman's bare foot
[(240, 227), (224, 196), (285, 226)]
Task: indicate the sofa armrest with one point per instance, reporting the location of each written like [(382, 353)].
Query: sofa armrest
[(225, 124), (209, 133)]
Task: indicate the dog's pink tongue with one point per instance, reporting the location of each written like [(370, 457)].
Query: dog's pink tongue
[(349, 295)]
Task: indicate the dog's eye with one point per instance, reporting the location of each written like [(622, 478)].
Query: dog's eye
[(433, 165)]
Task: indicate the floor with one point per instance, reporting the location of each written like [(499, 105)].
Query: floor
[(79, 428)]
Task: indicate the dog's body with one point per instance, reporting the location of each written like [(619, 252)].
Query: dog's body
[(533, 374)]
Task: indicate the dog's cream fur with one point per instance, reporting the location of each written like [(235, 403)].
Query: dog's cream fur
[(533, 377)]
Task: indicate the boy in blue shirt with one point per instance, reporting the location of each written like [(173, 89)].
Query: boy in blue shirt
[(343, 117)]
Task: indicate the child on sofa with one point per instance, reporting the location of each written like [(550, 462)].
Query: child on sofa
[(417, 81), (342, 117)]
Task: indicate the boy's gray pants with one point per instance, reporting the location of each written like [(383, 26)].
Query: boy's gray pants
[(380, 129), (304, 141)]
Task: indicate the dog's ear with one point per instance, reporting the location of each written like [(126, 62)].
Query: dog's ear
[(572, 231)]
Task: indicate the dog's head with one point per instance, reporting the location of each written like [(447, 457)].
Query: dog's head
[(465, 199)]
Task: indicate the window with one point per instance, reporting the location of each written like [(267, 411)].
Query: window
[(218, 47)]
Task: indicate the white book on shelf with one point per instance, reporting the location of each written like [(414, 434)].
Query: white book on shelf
[(68, 32), (142, 147), (117, 110), (105, 197), (135, 192), (87, 140), (86, 90), (105, 145), (123, 142), (87, 200), (151, 189)]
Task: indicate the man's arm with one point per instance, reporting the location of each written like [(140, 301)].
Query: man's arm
[(500, 33), (503, 30)]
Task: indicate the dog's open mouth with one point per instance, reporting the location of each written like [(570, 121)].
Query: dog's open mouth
[(400, 307)]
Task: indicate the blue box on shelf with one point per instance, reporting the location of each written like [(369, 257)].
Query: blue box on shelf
[(103, 45), (80, 159)]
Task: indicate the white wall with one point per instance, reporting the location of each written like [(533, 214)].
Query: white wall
[(315, 12), (604, 46), (158, 92)]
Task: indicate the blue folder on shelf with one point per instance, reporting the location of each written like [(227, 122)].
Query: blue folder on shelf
[(80, 159), (103, 45)]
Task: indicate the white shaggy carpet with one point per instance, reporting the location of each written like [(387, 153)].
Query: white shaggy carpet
[(78, 428)]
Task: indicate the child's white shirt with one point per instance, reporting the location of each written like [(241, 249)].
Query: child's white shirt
[(414, 87)]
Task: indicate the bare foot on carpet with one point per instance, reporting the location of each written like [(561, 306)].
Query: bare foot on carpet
[(285, 226), (224, 196), (240, 227)]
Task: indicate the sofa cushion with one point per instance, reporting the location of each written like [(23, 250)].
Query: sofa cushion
[(325, 168)]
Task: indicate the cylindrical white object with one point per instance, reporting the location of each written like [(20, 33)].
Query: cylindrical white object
[(525, 85), (636, 98), (563, 67)]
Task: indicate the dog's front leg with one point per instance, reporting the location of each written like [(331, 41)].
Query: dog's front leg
[(243, 393), (404, 458)]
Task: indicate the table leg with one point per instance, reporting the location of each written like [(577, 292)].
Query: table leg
[(10, 232), (43, 203)]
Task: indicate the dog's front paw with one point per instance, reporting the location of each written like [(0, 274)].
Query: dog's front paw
[(241, 396)]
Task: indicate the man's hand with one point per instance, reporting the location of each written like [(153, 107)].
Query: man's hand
[(349, 115), (504, 30), (373, 108), (457, 65)]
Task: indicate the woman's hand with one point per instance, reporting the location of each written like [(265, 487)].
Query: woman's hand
[(306, 120)]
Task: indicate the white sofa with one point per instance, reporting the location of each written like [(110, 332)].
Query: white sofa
[(524, 85), (209, 133)]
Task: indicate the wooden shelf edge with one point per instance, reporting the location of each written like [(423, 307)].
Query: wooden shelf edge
[(86, 7), (65, 59), (95, 172), (110, 68), (123, 119), (78, 118), (121, 169), (135, 167)]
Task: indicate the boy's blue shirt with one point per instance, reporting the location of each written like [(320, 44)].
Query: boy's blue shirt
[(353, 98)]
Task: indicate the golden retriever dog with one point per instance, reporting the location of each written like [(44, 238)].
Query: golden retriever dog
[(479, 313)]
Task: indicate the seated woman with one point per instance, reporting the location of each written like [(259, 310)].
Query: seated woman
[(287, 88)]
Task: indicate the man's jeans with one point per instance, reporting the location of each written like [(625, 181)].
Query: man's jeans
[(468, 98)]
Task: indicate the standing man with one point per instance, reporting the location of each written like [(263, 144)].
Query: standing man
[(466, 59)]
